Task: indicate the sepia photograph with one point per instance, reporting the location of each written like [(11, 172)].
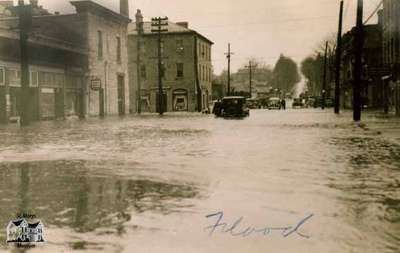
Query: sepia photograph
[(200, 126)]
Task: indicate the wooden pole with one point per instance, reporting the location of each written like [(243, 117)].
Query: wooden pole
[(25, 24), (159, 23), (324, 78), (358, 48), (338, 60), (228, 56)]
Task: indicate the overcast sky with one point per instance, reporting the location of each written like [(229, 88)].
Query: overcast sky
[(261, 29)]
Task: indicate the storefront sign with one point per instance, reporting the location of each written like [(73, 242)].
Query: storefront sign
[(48, 90), (95, 84)]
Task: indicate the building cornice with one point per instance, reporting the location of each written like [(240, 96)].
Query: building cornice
[(89, 6)]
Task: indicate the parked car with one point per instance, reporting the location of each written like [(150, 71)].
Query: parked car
[(329, 102), (298, 103), (274, 103), (253, 103), (263, 102), (311, 102), (217, 108), (231, 107)]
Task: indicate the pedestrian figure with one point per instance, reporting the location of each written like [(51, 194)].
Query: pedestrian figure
[(283, 104), (217, 109)]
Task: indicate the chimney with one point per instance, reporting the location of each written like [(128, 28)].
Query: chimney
[(380, 18), (124, 8), (139, 21), (183, 24), (139, 17), (34, 3)]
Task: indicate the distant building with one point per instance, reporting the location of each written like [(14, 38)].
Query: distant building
[(78, 63), (263, 91), (391, 50), (187, 68), (372, 91)]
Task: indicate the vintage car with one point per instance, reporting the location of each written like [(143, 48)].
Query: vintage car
[(231, 107), (253, 103), (298, 103), (274, 104)]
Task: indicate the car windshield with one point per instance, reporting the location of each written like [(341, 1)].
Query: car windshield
[(231, 101)]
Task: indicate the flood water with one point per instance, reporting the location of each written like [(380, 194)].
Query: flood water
[(146, 184)]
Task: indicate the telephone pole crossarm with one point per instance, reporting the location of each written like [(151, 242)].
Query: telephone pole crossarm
[(358, 48), (158, 25), (251, 67), (25, 27), (228, 56), (338, 60)]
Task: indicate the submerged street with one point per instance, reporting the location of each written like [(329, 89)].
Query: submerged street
[(146, 184)]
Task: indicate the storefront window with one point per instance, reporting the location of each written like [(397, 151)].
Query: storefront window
[(2, 78), (33, 79), (15, 77), (59, 80), (145, 102), (180, 100)]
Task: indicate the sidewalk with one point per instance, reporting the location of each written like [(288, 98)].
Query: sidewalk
[(388, 125)]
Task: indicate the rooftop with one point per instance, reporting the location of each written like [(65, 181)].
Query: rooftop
[(60, 31), (88, 6), (173, 28)]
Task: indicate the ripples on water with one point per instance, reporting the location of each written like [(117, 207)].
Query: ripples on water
[(114, 178)]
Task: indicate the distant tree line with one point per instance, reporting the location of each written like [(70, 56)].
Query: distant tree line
[(312, 68), (284, 76)]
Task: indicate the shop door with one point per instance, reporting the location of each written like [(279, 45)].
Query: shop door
[(101, 102), (121, 95), (164, 103), (3, 105), (59, 103)]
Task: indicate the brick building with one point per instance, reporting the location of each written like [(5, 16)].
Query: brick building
[(78, 63), (391, 50), (372, 85), (187, 68)]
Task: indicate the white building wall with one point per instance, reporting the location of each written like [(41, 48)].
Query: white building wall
[(106, 68)]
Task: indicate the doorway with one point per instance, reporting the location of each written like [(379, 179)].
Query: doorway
[(121, 95), (101, 102), (164, 103)]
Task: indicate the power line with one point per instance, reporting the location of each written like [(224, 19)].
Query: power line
[(347, 9), (259, 11), (373, 13), (271, 23)]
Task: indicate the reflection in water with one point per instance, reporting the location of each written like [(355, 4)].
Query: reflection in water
[(62, 193), (24, 189), (81, 199)]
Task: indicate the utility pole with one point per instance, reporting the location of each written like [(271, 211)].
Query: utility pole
[(228, 56), (338, 60), (397, 57), (159, 23), (139, 28), (324, 78), (358, 47), (250, 67), (25, 26)]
